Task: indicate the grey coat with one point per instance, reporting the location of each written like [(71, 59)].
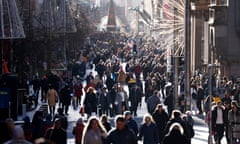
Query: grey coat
[(119, 102), (234, 122)]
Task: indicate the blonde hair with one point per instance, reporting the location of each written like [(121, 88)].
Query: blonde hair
[(147, 115), (178, 126), (90, 89)]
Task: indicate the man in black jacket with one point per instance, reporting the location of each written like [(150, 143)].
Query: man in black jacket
[(57, 134), (218, 118), (135, 97), (130, 122), (66, 98), (121, 134)]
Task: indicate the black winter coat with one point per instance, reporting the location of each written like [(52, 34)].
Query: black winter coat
[(125, 136), (175, 137), (90, 103), (66, 95), (214, 117), (58, 136)]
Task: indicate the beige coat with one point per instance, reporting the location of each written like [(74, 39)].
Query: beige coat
[(52, 97), (122, 77)]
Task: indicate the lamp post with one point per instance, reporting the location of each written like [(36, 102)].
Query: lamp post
[(187, 55), (210, 66), (64, 33), (176, 64)]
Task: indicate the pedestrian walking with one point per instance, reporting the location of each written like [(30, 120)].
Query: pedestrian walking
[(218, 122), (28, 129), (121, 76), (193, 91), (175, 134), (105, 102), (78, 91), (38, 124), (113, 94), (44, 88), (93, 132), (63, 119), (148, 88), (148, 131), (121, 134), (66, 97), (48, 123), (228, 107), (234, 123), (208, 120), (105, 122), (17, 137), (57, 134), (36, 83), (52, 98), (169, 101), (130, 122), (199, 98), (121, 101), (162, 85), (189, 127), (78, 131), (90, 102), (152, 102), (160, 116), (176, 117), (135, 97)]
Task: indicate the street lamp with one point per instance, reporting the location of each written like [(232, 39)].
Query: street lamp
[(187, 54), (210, 66)]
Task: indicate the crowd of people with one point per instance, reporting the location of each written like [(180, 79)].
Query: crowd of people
[(123, 78)]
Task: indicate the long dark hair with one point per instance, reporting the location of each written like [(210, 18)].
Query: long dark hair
[(89, 124)]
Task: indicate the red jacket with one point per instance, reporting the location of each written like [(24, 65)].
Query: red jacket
[(78, 89), (78, 132)]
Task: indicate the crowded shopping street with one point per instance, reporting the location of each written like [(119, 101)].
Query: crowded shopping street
[(119, 72)]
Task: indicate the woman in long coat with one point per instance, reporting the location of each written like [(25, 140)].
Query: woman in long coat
[(148, 131), (234, 122), (78, 131), (52, 98), (90, 102), (122, 76), (93, 132), (121, 101)]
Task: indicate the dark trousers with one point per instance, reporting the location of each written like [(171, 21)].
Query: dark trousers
[(199, 105), (65, 108), (219, 133), (79, 100)]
